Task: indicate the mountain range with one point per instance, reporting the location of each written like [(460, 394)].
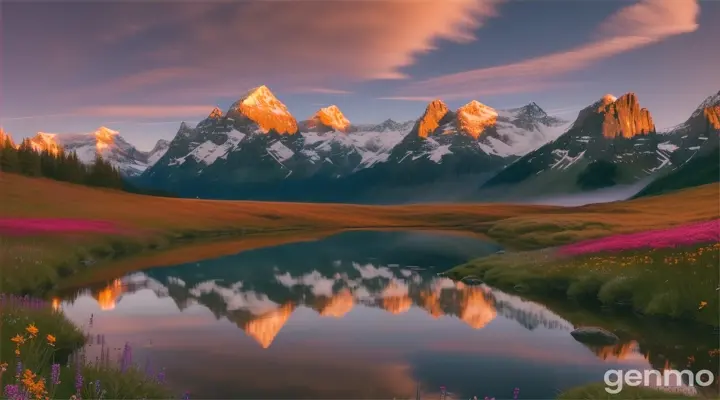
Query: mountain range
[(258, 150)]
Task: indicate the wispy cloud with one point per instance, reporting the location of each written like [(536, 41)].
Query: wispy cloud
[(35, 117), (321, 90), (407, 98), (632, 27), (192, 47), (144, 111)]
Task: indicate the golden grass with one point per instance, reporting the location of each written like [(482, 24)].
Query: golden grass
[(34, 263)]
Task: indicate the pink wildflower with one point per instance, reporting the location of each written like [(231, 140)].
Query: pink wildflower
[(700, 232)]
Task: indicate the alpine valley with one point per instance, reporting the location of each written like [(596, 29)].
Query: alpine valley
[(257, 150)]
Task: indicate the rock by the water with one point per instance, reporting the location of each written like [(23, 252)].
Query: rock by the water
[(594, 335)]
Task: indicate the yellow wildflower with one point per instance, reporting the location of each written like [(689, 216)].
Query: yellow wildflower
[(17, 352), (3, 367), (51, 340), (18, 339), (32, 330), (702, 305), (35, 388)]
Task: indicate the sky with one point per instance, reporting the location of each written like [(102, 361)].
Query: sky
[(143, 67)]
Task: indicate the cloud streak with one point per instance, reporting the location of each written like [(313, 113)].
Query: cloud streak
[(192, 47), (321, 90), (630, 28), (144, 111)]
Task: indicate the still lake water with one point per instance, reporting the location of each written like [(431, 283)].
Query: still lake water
[(356, 315)]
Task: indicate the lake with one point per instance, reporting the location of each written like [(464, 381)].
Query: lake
[(359, 315)]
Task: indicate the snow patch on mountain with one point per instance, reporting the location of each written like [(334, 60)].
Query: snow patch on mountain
[(161, 147), (280, 152)]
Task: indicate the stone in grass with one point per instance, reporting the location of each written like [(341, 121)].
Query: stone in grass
[(594, 335)]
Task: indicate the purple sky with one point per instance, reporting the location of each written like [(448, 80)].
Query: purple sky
[(142, 67)]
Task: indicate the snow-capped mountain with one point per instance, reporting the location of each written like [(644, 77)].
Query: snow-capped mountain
[(326, 119), (258, 146), (477, 128), (104, 142), (698, 134), (613, 141)]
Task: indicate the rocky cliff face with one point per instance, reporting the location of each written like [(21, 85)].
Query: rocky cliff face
[(474, 117), (593, 109), (712, 115), (430, 120), (260, 107), (625, 118)]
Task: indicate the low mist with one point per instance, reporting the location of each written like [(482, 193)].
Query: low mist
[(606, 195)]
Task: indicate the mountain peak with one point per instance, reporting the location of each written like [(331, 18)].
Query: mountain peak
[(331, 117), (609, 98), (260, 94), (474, 117), (261, 107), (709, 111), (43, 141), (104, 138), (215, 113), (625, 118), (596, 107), (533, 110), (430, 120)]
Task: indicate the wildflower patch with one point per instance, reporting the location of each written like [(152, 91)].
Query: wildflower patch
[(684, 235)]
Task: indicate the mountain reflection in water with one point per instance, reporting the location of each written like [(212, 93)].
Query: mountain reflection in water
[(357, 315), (262, 318)]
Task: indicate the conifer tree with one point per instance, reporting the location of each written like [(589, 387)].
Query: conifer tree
[(8, 157), (29, 159)]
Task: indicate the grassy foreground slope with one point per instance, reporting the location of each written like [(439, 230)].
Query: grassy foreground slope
[(34, 263)]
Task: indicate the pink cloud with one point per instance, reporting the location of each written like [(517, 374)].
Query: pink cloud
[(304, 43), (144, 111), (632, 27), (322, 90)]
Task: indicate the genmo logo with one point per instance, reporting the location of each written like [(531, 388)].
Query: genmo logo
[(667, 380)]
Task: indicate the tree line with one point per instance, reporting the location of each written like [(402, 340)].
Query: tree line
[(63, 166)]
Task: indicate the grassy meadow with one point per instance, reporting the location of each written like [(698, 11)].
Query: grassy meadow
[(35, 263)]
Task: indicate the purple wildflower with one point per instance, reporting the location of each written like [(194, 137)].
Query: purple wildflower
[(18, 369), (12, 391), (126, 357), (186, 396), (97, 387), (161, 376), (55, 374), (78, 382), (516, 393)]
